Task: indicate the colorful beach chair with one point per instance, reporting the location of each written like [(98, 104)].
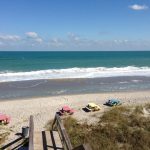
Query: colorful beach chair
[(113, 102), (92, 107), (66, 110), (4, 119)]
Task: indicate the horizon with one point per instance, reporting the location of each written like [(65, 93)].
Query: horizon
[(75, 51), (74, 25)]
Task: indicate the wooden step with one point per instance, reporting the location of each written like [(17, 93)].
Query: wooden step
[(47, 140)]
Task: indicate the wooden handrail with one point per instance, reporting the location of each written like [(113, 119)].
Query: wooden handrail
[(62, 132), (57, 123), (31, 133)]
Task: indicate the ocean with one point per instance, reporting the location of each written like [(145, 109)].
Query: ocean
[(54, 73)]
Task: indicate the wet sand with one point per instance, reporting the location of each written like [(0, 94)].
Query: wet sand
[(41, 88)]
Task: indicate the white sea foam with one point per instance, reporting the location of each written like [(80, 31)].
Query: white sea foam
[(75, 73), (123, 82), (136, 81)]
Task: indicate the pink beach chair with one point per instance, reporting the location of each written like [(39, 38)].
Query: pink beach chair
[(66, 110), (4, 118)]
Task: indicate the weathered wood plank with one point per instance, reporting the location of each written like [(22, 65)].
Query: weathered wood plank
[(47, 140), (16, 143), (38, 141), (53, 140), (31, 133), (63, 134), (54, 122)]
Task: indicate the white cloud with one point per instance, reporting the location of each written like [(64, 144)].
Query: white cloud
[(138, 7), (10, 37), (56, 42), (33, 41), (78, 41), (39, 40), (1, 43), (34, 37), (31, 34), (73, 37), (120, 41)]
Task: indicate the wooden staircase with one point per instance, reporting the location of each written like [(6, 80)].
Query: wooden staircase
[(55, 139), (47, 140)]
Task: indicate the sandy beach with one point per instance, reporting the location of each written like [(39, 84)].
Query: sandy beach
[(44, 109)]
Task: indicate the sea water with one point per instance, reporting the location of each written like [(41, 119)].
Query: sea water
[(19, 66), (27, 74)]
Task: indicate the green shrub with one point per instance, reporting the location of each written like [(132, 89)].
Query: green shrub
[(119, 128), (3, 136)]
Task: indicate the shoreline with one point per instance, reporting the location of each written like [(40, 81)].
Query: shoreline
[(52, 87), (76, 94), (44, 109)]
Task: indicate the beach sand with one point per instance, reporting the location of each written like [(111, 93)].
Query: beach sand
[(44, 109)]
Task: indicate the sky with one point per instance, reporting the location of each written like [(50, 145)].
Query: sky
[(74, 25)]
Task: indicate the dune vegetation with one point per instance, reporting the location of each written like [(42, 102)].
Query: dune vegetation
[(3, 133), (125, 128)]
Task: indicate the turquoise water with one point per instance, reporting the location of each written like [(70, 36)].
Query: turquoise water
[(18, 66), (31, 61), (94, 72)]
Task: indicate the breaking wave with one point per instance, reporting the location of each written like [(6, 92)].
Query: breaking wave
[(97, 72)]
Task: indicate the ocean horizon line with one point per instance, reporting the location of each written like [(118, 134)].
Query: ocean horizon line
[(74, 50)]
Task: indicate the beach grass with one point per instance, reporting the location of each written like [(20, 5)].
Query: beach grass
[(126, 128), (4, 133)]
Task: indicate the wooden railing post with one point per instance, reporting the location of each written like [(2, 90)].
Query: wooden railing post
[(62, 133), (31, 133), (64, 136), (54, 122)]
